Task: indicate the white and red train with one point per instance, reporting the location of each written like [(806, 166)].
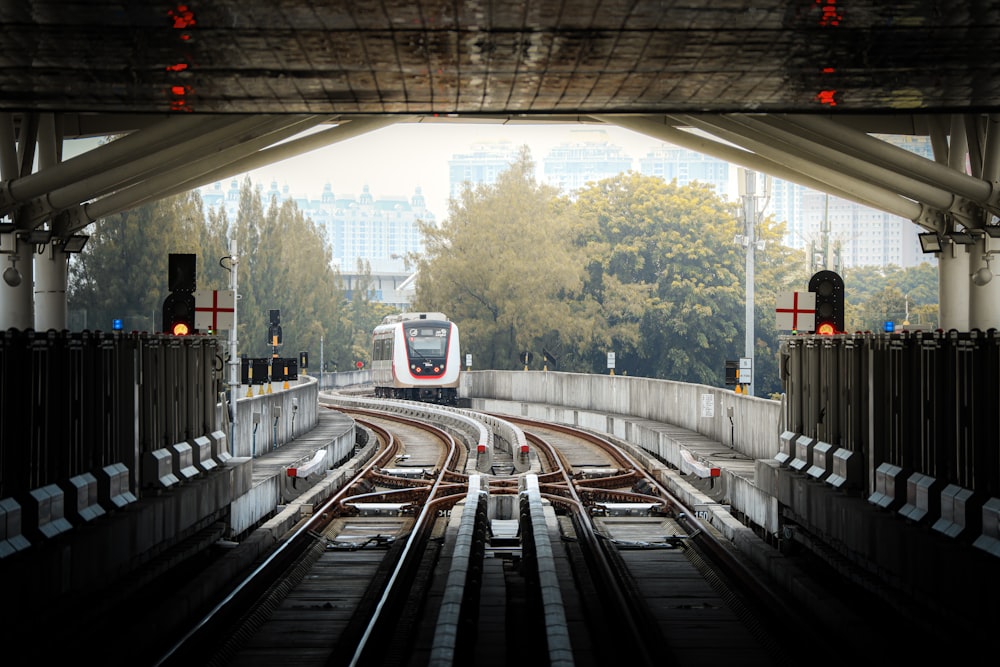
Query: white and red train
[(416, 356)]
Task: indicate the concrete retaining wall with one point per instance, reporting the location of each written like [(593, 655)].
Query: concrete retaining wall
[(647, 413), (281, 416), (753, 430)]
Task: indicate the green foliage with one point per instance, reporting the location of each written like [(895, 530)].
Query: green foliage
[(363, 314), (631, 265), (777, 269), (666, 252), (122, 271), (876, 294), (284, 264), (501, 267)]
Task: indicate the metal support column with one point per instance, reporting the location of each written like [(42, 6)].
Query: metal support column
[(953, 286)]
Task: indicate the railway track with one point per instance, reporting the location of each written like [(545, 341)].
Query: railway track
[(581, 559)]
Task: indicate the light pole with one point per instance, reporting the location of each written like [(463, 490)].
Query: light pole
[(749, 194)]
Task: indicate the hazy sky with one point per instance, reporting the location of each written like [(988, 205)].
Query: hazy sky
[(396, 160)]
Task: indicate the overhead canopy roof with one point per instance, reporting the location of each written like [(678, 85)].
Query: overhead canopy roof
[(492, 57)]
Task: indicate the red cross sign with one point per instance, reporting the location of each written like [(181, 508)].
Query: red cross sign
[(213, 310), (796, 311)]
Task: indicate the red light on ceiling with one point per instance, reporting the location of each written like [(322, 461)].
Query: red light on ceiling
[(826, 97), (828, 70), (183, 17), (178, 67), (830, 17)]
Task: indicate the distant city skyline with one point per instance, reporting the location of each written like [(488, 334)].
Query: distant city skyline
[(396, 160), (568, 156)]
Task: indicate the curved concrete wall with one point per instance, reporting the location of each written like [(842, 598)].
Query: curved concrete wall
[(282, 415), (749, 425)]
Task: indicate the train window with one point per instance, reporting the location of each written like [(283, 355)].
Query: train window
[(428, 341)]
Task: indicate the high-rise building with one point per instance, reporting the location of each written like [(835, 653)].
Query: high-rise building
[(381, 231), (852, 234), (670, 163), (588, 156), (481, 165)]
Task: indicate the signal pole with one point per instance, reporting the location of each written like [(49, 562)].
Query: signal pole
[(234, 362), (747, 181)]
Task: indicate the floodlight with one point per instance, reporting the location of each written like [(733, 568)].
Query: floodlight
[(930, 242), (75, 243)]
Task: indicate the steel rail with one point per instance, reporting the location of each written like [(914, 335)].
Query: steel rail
[(422, 527), (279, 557), (630, 622)]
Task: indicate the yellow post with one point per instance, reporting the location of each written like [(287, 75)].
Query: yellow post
[(249, 381)]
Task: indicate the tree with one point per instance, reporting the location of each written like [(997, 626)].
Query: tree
[(285, 265), (122, 271), (663, 267), (501, 266), (777, 269), (876, 294)]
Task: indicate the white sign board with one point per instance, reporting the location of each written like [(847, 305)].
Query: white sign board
[(708, 405), (611, 359), (214, 310), (468, 360), (795, 311)]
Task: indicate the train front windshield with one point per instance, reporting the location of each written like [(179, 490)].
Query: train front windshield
[(427, 342)]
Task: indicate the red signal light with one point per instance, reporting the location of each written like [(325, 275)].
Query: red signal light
[(181, 329), (826, 329)]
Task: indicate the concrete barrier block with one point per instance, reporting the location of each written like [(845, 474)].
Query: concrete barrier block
[(890, 487), (848, 470), (44, 514), (822, 461), (157, 469), (803, 453), (11, 539), (786, 447), (989, 540), (183, 461), (923, 498), (961, 513), (202, 450), (113, 490), (220, 447), (82, 504)]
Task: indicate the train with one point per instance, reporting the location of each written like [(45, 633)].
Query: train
[(417, 356)]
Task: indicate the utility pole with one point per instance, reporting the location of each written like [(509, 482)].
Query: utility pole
[(234, 361), (749, 194)]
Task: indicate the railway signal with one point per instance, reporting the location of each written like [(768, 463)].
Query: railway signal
[(829, 289), (178, 307), (274, 330)]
